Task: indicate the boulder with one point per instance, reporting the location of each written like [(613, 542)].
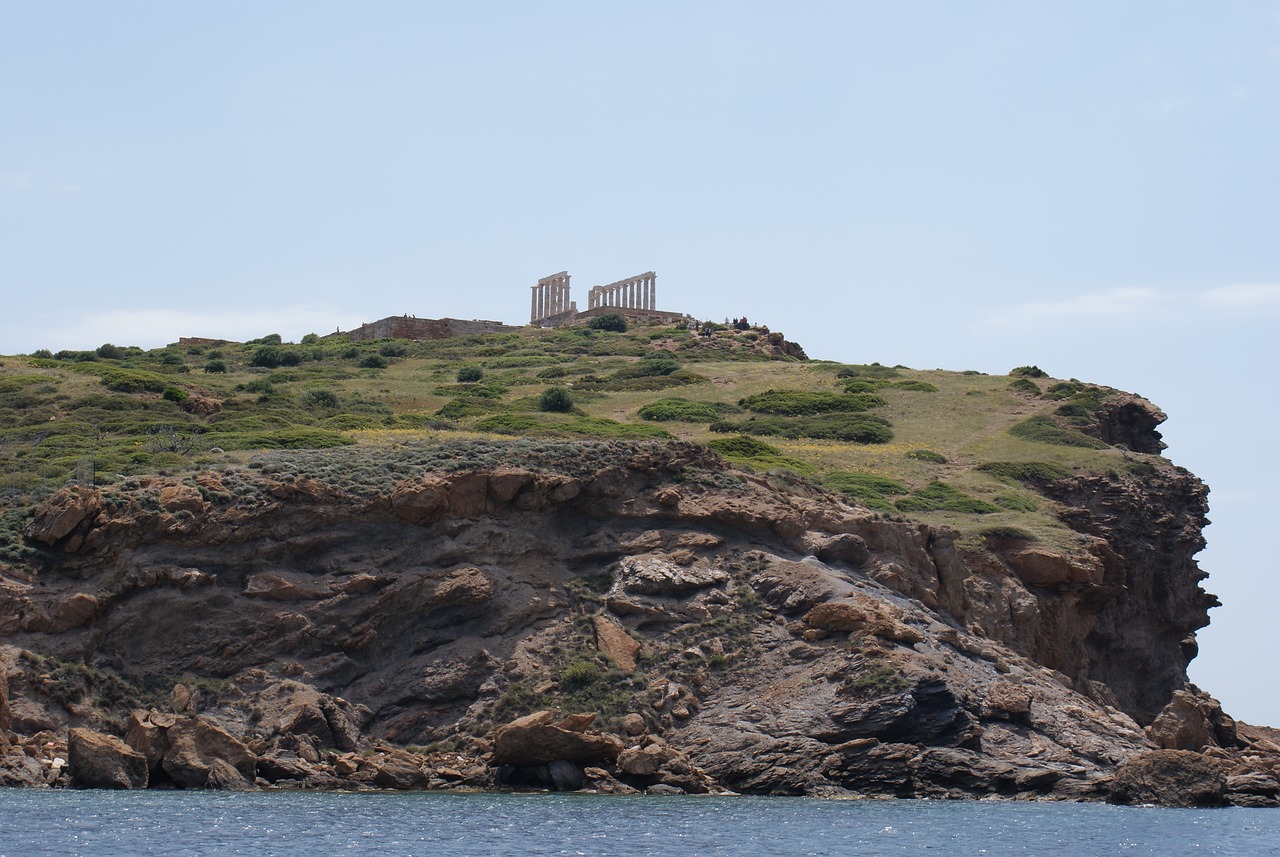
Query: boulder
[(858, 612), (398, 769), (101, 761), (1171, 778), (564, 775), (614, 641), (1006, 699), (181, 498), (62, 513), (1192, 722), (643, 761), (420, 501), (656, 575), (194, 744), (224, 777), (148, 734), (537, 740)]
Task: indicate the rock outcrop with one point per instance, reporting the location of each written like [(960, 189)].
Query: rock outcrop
[(727, 630)]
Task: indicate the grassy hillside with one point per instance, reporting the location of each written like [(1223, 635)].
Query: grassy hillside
[(958, 448)]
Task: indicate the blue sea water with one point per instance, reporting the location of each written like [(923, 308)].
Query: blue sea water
[(68, 823)]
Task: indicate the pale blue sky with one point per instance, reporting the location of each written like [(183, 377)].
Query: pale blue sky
[(1089, 186)]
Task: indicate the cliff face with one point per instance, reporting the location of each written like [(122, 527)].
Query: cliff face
[(761, 635)]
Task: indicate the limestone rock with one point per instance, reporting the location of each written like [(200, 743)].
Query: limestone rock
[(101, 761), (1192, 722)]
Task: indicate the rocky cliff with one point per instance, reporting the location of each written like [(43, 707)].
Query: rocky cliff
[(728, 631)]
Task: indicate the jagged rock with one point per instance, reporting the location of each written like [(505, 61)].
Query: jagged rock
[(598, 779), (397, 769), (148, 734), (62, 513), (282, 765), (6, 715), (655, 575), (537, 740), (858, 612), (194, 743), (1192, 722), (1009, 700), (104, 762), (74, 611), (614, 641), (280, 587), (223, 776), (181, 498), (643, 761), (1171, 778), (564, 776), (1043, 567)]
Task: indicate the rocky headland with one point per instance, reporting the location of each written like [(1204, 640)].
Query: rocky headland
[(614, 615)]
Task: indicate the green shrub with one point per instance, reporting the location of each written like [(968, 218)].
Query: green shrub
[(1044, 429), (508, 424), (267, 356), (851, 428), (1030, 472), (1006, 533), (941, 497), (613, 322), (1025, 385), (374, 361), (1016, 504), (107, 351), (310, 339), (870, 490), (466, 406), (757, 454), (868, 372), (215, 367), (926, 455), (469, 374), (1028, 372), (580, 673), (804, 402), (555, 399), (394, 349), (133, 381), (914, 386), (175, 394), (319, 399), (678, 410)]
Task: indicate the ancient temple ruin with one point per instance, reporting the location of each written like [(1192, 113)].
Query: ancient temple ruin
[(636, 298), (636, 292), (551, 298)]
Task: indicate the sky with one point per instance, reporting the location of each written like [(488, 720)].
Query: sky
[(1092, 187)]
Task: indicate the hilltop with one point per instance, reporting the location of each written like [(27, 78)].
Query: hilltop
[(759, 571)]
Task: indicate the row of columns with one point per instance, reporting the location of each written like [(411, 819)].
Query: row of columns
[(550, 297), (638, 292)]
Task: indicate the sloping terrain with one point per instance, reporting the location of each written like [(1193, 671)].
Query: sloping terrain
[(329, 563)]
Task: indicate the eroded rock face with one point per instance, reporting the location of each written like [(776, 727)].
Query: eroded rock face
[(104, 762), (792, 643), (1171, 778)]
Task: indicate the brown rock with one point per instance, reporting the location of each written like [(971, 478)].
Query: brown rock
[(1043, 567), (181, 498), (194, 744), (148, 738), (468, 495), (655, 575), (104, 762), (1171, 778), (614, 641), (279, 587), (398, 769), (1191, 722), (224, 777), (420, 502), (1009, 700), (62, 513), (536, 740), (859, 612), (6, 716), (643, 762)]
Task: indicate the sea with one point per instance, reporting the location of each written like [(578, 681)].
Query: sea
[(100, 823)]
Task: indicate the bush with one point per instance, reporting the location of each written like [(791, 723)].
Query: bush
[(267, 356), (133, 381), (1016, 504), (743, 447), (215, 367), (42, 354), (914, 386), (374, 361), (1007, 533), (107, 351), (394, 349), (469, 374), (678, 410), (941, 497), (871, 371), (319, 399), (310, 339), (611, 322), (580, 673), (852, 428), (871, 490), (1025, 385), (555, 399), (803, 402), (1028, 372), (926, 455), (1030, 472), (175, 394), (1044, 429)]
